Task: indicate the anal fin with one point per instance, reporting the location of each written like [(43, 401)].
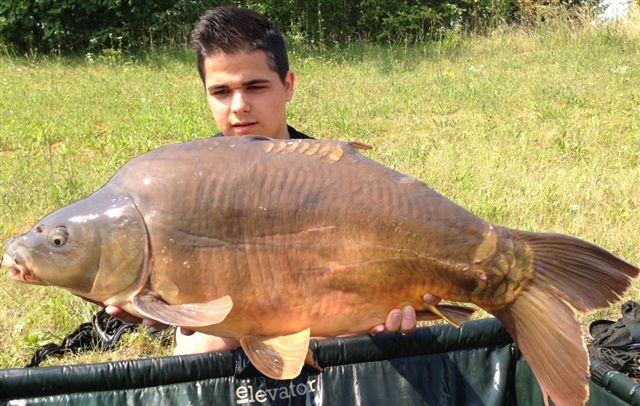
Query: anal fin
[(278, 357), (452, 314), (185, 315)]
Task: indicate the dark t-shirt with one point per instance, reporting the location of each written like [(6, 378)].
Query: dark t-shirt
[(293, 133)]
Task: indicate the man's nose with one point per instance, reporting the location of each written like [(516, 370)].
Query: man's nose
[(240, 103)]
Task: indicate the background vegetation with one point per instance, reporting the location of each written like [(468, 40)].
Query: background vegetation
[(80, 26), (534, 127)]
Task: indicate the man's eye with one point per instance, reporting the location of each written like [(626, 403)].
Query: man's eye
[(256, 88), (221, 92)]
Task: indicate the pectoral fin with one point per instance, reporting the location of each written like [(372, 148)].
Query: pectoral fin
[(186, 315), (279, 357), (452, 314)]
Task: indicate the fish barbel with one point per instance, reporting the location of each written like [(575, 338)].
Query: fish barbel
[(274, 241)]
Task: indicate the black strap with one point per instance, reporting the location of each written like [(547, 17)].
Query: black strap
[(104, 331), (634, 331)]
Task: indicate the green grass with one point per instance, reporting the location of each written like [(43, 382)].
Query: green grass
[(534, 128)]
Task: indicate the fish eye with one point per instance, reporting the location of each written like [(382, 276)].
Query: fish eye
[(58, 236)]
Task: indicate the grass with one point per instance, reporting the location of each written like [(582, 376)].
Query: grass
[(535, 128)]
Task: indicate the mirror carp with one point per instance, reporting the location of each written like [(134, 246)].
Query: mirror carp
[(273, 241)]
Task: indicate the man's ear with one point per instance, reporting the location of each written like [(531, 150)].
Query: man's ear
[(289, 84)]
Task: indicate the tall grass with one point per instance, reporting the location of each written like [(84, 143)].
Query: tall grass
[(535, 128)]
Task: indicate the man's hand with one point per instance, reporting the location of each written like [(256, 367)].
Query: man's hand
[(118, 313), (190, 342), (403, 320), (187, 341)]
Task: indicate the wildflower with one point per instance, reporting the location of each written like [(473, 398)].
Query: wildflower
[(622, 69)]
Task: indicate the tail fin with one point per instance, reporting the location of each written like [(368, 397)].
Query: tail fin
[(543, 325)]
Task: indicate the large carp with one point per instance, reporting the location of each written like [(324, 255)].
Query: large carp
[(273, 241)]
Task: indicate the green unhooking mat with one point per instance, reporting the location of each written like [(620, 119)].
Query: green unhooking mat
[(477, 364)]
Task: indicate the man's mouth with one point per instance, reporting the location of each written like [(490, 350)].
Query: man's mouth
[(244, 127)]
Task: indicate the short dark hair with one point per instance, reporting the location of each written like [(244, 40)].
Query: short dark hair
[(231, 29)]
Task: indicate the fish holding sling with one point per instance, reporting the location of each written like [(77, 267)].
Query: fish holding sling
[(274, 241)]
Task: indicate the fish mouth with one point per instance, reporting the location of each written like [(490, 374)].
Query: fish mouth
[(18, 270)]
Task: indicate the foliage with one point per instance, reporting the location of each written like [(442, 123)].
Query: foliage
[(530, 12), (81, 26), (78, 25)]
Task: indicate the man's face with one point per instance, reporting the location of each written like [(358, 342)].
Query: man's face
[(245, 96)]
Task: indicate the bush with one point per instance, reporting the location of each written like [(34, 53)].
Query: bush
[(79, 25), (83, 26)]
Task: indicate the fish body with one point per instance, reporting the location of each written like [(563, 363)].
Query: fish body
[(273, 241)]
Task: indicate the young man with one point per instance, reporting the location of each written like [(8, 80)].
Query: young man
[(243, 64), (245, 72)]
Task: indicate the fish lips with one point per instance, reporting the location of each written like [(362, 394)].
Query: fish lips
[(18, 269)]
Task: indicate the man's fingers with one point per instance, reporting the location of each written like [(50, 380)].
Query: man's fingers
[(185, 331), (199, 342), (394, 320), (409, 321), (404, 320), (120, 314), (431, 299), (377, 329)]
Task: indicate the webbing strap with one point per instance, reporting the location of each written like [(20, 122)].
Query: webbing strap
[(104, 331)]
